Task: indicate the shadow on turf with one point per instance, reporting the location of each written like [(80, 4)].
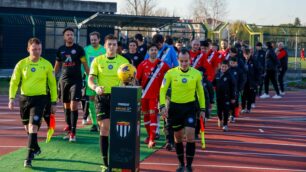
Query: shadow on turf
[(57, 169), (67, 160)]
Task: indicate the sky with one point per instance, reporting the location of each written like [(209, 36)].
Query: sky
[(262, 12)]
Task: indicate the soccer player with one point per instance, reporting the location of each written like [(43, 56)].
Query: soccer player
[(226, 93), (34, 74), (252, 81), (142, 47), (238, 75), (166, 53), (224, 51), (185, 83), (303, 54), (282, 56), (179, 46), (70, 57), (104, 71), (133, 56), (195, 50), (271, 72), (259, 56), (150, 74), (91, 52)]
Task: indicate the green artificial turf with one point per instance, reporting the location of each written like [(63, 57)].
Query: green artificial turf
[(60, 155)]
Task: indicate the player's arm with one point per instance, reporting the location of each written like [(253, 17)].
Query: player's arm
[(52, 85), (164, 89), (174, 58), (139, 74), (200, 92), (92, 77), (14, 83), (53, 88), (58, 62), (85, 64)]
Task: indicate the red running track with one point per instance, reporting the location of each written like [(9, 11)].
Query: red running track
[(271, 138)]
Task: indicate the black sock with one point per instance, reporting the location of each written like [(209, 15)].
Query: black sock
[(179, 147), (68, 117), (190, 151), (74, 120), (104, 149), (32, 142)]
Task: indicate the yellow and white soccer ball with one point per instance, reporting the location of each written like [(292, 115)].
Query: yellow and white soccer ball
[(126, 73)]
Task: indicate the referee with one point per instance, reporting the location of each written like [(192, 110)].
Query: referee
[(34, 74), (185, 84), (104, 71)]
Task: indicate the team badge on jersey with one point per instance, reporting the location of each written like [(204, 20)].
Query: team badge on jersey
[(73, 51), (135, 57), (110, 67), (190, 120), (123, 128), (184, 80), (33, 69), (225, 79), (235, 73)]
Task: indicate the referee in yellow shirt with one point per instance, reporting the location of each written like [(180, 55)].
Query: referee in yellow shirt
[(34, 74), (185, 83), (104, 70)]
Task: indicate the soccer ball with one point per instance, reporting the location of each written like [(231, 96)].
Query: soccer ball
[(126, 73)]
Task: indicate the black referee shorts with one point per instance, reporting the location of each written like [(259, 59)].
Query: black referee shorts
[(102, 106), (71, 91), (32, 108), (182, 115)]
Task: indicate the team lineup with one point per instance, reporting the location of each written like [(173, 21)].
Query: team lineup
[(179, 86)]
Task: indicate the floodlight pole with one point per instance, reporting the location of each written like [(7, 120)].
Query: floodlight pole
[(33, 25), (79, 25)]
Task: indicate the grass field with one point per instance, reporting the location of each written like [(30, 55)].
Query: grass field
[(303, 63), (60, 155)]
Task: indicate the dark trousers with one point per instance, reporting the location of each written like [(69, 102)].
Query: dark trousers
[(168, 130), (281, 76), (248, 96), (271, 75), (223, 108)]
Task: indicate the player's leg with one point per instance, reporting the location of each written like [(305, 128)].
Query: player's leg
[(226, 110), (92, 113), (36, 104), (65, 96), (76, 93), (177, 124), (146, 118), (190, 122), (103, 115), (153, 121), (219, 112)]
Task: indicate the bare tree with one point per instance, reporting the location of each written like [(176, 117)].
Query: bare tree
[(140, 7), (214, 9)]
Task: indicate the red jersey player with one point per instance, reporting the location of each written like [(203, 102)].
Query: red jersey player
[(150, 74)]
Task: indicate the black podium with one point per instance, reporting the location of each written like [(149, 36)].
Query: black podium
[(124, 129)]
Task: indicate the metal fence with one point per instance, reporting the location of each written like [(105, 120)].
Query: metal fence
[(294, 73)]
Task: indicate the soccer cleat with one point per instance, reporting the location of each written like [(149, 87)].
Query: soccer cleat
[(225, 128), (253, 105), (232, 119), (181, 168), (84, 122), (248, 111), (146, 141), (94, 128), (264, 96), (282, 93), (189, 169), (276, 97), (151, 144), (244, 111), (27, 164), (219, 123), (72, 138), (169, 147), (66, 128), (67, 136)]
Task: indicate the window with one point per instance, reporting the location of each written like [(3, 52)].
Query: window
[(54, 34)]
